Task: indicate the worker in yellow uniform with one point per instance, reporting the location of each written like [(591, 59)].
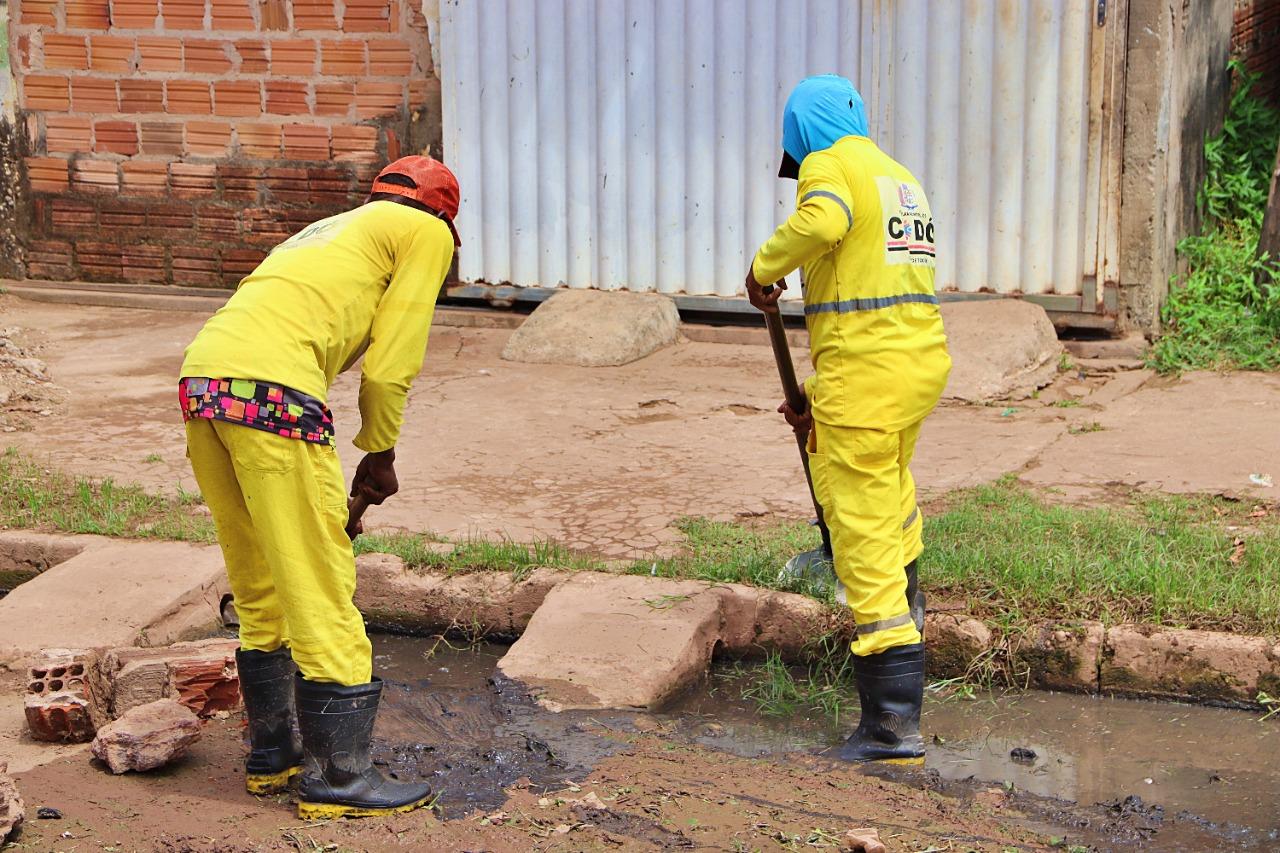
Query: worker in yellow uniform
[(863, 237), (261, 441)]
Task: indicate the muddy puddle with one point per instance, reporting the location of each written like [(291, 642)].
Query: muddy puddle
[(1215, 768)]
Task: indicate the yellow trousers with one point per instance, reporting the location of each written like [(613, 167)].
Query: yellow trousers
[(280, 508), (868, 497)]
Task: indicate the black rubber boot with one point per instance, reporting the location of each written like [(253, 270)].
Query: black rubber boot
[(915, 598), (891, 689), (275, 752), (340, 779)]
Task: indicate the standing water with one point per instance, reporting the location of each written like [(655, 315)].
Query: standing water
[(443, 720)]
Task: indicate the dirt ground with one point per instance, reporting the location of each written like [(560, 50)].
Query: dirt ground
[(657, 795), (605, 459)]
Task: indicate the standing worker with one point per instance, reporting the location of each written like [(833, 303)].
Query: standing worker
[(863, 237), (261, 442)]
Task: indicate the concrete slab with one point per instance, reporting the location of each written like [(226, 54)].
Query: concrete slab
[(115, 593), (999, 348), (604, 641), (594, 328)]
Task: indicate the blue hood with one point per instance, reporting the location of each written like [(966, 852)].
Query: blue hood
[(820, 111)]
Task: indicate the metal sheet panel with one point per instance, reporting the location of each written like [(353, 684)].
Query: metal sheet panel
[(634, 143)]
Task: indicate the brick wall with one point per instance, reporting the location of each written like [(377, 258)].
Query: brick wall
[(1255, 38), (176, 141)]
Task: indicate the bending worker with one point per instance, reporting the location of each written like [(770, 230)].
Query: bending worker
[(862, 236), (261, 442)]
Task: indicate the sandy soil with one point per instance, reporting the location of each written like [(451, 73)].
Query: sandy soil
[(657, 794), (605, 459)]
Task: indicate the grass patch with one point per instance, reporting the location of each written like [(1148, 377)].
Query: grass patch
[(1166, 560), (1224, 313), (33, 496), (424, 551)]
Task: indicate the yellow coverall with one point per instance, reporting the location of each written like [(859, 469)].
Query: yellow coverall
[(862, 233), (362, 282)]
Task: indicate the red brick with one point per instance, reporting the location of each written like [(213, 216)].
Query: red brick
[(335, 99), (314, 15), (218, 222), (161, 137), (206, 686), (45, 93), (293, 57), (143, 263), (134, 14), (93, 95), (178, 216), (417, 21), (194, 265), (67, 134), (306, 142), (60, 718), (203, 56), (355, 144), (118, 217), (424, 92), (208, 138), (259, 140), (286, 98), (191, 180), (64, 700), (141, 96), (390, 57), (142, 177), (393, 144), (188, 97), (378, 99), (69, 215), (111, 53), (87, 14), (183, 15), (232, 15), (95, 176), (239, 183), (238, 263), (37, 12), (275, 15), (288, 185), (367, 16), (23, 46), (343, 58), (253, 57), (237, 98), (115, 137), (100, 261), (49, 259), (66, 52), (159, 53), (47, 174)]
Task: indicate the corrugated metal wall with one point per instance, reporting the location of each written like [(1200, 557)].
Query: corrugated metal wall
[(635, 143)]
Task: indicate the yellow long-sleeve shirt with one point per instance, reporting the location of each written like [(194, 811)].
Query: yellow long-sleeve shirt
[(862, 232), (363, 282)]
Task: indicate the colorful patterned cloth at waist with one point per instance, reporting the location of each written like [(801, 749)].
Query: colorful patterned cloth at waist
[(262, 405)]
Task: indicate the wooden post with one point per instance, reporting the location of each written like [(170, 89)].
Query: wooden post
[(1269, 239)]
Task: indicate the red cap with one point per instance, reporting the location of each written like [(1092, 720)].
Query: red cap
[(434, 187)]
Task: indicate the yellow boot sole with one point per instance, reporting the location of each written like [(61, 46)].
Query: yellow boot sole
[(330, 811), (270, 783), (901, 762)]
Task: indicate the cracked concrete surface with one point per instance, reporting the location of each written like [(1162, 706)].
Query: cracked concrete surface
[(606, 459)]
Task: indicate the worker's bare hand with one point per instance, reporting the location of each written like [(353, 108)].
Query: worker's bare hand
[(355, 524), (800, 423), (375, 478), (766, 302)]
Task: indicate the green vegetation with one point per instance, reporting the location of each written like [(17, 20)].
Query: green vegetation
[(1225, 311), (32, 495), (1010, 554)]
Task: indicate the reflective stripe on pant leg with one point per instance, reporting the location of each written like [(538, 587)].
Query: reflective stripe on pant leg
[(862, 485), (294, 493), (913, 518), (262, 626)]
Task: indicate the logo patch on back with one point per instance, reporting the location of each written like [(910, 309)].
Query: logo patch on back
[(908, 223)]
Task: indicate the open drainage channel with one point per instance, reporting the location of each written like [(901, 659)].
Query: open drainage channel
[(23, 558), (1204, 769)]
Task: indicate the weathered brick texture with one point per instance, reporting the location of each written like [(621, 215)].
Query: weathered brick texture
[(1255, 38), (176, 141)]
